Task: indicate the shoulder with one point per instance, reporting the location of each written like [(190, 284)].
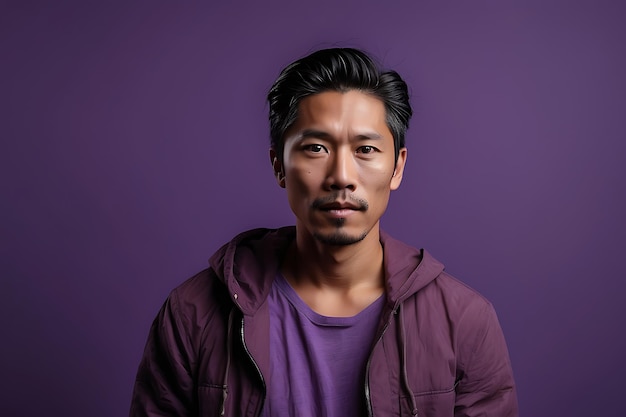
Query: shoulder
[(199, 294), (458, 292), (448, 302), (242, 268), (198, 290), (196, 303), (464, 305), (471, 317)]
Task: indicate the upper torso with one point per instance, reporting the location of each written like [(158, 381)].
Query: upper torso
[(423, 353)]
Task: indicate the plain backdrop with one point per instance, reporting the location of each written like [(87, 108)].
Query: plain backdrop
[(134, 142)]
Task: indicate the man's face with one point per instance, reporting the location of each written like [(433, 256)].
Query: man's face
[(338, 166)]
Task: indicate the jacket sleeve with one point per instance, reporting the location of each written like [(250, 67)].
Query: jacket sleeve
[(164, 385), (486, 387)]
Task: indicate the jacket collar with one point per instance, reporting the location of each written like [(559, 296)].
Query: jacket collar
[(249, 263)]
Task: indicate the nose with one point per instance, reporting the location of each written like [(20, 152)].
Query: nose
[(341, 171)]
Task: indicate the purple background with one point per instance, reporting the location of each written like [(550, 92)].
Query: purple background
[(134, 143)]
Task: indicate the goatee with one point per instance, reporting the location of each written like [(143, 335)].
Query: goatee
[(339, 238)]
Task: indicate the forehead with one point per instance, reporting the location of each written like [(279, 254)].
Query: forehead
[(342, 112)]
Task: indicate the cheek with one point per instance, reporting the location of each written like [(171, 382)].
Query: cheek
[(300, 179), (378, 178), (304, 171)]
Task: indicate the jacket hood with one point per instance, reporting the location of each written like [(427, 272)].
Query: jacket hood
[(249, 263), (407, 269)]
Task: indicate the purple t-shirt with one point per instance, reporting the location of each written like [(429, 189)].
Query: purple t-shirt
[(317, 362)]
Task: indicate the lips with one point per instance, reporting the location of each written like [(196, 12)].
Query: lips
[(340, 210), (340, 206)]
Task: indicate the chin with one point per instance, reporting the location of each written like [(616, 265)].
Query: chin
[(339, 238)]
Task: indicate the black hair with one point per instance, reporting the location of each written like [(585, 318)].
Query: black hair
[(337, 69)]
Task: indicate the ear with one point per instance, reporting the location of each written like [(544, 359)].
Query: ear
[(277, 166), (396, 179)]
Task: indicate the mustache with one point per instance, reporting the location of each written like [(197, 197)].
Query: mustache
[(332, 198)]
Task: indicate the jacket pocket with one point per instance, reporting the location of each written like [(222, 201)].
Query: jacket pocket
[(210, 399), (430, 404)]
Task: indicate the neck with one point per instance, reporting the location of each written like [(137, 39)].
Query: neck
[(313, 263)]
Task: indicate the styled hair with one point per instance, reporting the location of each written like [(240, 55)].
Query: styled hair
[(337, 69)]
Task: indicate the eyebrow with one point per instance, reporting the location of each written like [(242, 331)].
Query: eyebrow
[(320, 134)]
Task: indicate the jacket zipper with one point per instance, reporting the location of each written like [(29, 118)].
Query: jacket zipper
[(256, 366), (368, 398)]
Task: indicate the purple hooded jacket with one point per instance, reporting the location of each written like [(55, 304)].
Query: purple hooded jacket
[(439, 349)]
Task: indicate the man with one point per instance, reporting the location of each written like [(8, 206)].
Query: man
[(332, 317)]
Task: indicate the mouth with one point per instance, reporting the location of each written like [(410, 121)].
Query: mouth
[(340, 206), (339, 213), (340, 209)]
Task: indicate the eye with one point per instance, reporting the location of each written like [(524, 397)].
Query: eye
[(314, 148), (366, 149)]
